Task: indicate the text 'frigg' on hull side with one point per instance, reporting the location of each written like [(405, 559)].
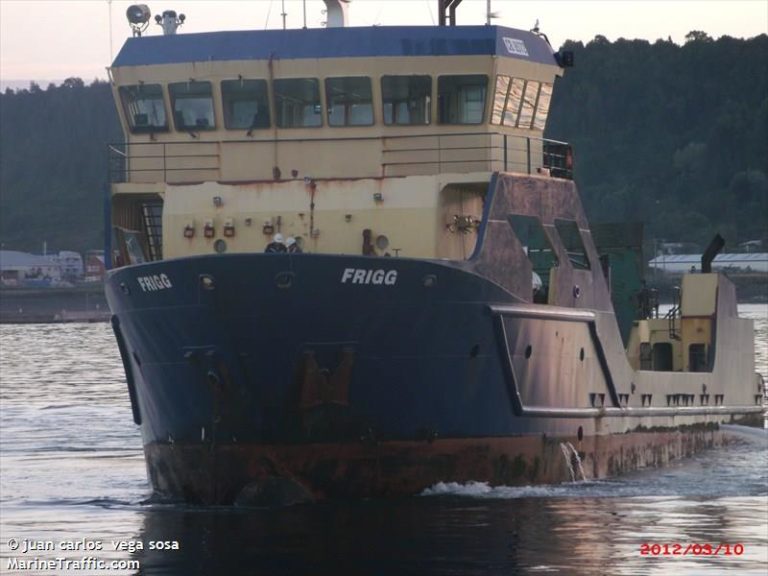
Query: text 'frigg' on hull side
[(347, 263)]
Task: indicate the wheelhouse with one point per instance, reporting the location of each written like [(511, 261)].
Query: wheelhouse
[(323, 135)]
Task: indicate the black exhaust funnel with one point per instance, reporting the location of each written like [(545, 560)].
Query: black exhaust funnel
[(712, 250)]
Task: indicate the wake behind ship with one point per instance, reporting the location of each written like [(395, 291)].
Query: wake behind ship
[(442, 313)]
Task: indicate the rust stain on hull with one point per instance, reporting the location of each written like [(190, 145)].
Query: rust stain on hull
[(218, 474)]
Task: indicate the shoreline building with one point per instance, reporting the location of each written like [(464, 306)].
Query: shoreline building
[(745, 262), (25, 270)]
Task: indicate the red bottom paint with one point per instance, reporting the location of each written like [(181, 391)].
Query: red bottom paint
[(219, 474)]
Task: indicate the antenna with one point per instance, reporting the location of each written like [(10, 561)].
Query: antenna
[(109, 9), (283, 14), (489, 14)]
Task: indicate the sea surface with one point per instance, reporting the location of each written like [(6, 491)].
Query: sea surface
[(74, 498)]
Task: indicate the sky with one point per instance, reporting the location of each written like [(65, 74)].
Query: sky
[(48, 41)]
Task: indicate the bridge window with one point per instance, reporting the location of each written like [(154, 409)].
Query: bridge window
[(574, 246), (538, 248), (245, 103), (350, 101), (192, 104), (521, 103), (406, 99), (542, 106), (461, 99), (499, 98), (144, 107), (528, 104), (506, 100), (297, 102)]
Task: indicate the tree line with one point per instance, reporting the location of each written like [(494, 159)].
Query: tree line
[(53, 165), (672, 136)]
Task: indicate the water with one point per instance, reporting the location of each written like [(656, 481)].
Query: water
[(72, 474), (573, 462)]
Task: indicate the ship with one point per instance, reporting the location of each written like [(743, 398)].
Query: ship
[(443, 312)]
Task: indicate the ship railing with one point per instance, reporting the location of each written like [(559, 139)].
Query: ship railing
[(674, 313), (491, 151), (396, 155), (164, 162)]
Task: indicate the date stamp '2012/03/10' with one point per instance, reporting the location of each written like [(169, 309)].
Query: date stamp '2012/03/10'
[(691, 549)]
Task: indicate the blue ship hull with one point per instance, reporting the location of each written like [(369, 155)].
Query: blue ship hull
[(406, 357), (339, 375)]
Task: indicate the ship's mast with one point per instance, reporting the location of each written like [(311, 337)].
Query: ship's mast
[(450, 6), (109, 9)]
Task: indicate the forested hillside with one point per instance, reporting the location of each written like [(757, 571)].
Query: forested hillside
[(674, 136), (53, 165)]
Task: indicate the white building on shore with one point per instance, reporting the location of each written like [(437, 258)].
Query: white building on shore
[(741, 262), (19, 269)]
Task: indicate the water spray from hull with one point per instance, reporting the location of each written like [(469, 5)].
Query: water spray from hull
[(573, 462)]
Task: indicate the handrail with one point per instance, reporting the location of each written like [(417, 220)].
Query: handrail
[(671, 315), (119, 169), (383, 137), (555, 155)]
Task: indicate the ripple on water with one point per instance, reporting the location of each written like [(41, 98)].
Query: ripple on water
[(71, 467)]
